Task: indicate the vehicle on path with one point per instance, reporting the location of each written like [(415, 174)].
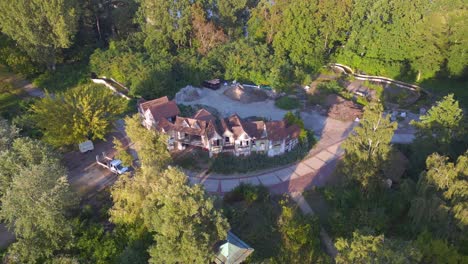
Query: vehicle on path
[(114, 165)]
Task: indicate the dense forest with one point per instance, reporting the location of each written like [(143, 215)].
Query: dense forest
[(156, 47)]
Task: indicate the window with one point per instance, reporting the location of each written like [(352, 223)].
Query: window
[(246, 142), (216, 142), (226, 139)]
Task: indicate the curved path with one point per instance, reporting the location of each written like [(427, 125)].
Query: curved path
[(349, 70), (314, 170)]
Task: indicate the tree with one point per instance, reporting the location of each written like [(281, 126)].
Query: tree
[(150, 145), (41, 27), (363, 248), (441, 195), (174, 203), (82, 113), (299, 236), (122, 153), (35, 203), (246, 61), (22, 153), (232, 15), (368, 148), (437, 250), (206, 33), (167, 24), (297, 37), (7, 134), (162, 202), (438, 128)]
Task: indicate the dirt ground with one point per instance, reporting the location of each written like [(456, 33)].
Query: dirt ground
[(85, 176), (341, 109), (245, 94)]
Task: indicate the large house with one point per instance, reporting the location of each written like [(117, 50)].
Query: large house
[(217, 135)]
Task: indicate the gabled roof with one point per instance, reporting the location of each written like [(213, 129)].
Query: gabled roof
[(277, 130), (255, 129), (204, 115), (236, 125), (196, 127), (212, 129), (161, 108)]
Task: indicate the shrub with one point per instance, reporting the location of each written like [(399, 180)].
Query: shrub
[(247, 193), (287, 103), (63, 78), (330, 87)]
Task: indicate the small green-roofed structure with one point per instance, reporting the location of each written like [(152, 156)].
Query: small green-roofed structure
[(233, 251)]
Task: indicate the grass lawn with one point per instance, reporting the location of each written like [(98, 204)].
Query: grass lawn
[(287, 103)]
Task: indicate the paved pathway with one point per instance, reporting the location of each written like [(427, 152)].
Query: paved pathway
[(315, 169)]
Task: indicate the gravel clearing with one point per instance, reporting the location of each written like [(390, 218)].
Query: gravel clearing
[(267, 109)]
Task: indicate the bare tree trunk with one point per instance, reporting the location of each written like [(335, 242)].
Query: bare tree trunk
[(98, 27)]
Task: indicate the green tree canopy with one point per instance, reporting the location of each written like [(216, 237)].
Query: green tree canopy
[(172, 204), (368, 148), (7, 134), (299, 236), (40, 26), (363, 248), (162, 202), (81, 113), (36, 200), (442, 195), (442, 129)]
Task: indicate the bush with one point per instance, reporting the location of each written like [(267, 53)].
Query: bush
[(247, 193), (287, 103), (63, 78), (330, 87)]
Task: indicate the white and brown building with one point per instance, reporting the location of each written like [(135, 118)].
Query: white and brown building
[(217, 135)]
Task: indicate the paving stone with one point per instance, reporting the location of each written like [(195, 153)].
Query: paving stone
[(269, 179), (340, 152), (326, 156), (228, 185), (314, 163), (250, 180), (285, 174), (301, 170), (210, 185), (334, 148)]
